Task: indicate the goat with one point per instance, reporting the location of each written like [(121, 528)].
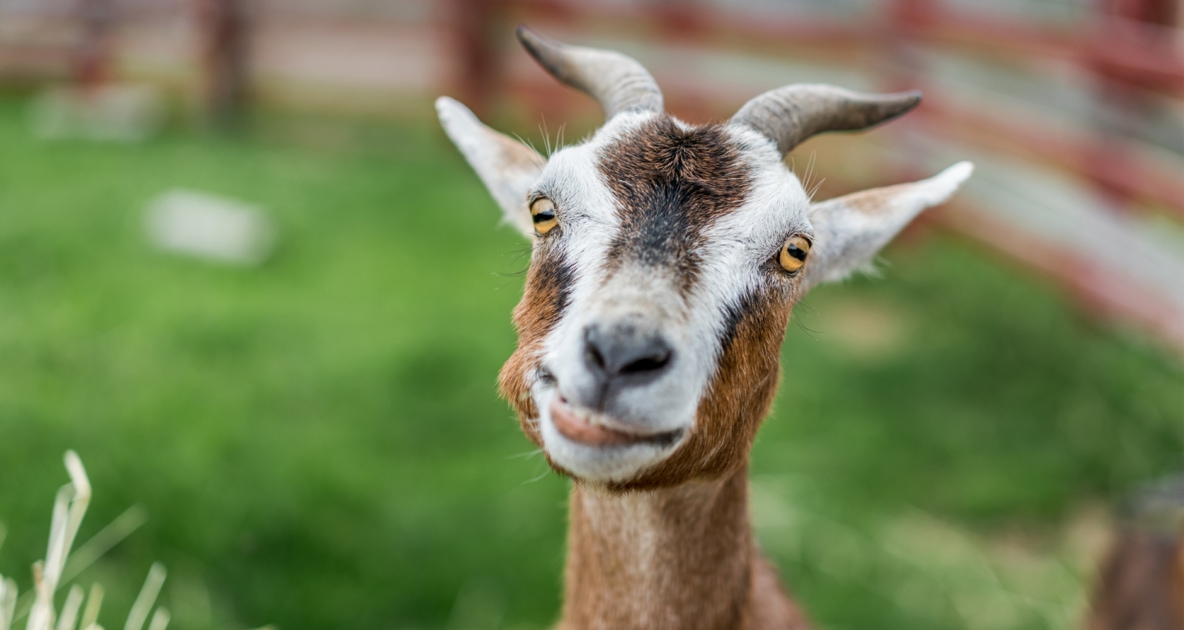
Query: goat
[(666, 260)]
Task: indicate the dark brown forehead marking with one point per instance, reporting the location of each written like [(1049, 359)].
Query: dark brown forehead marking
[(670, 184)]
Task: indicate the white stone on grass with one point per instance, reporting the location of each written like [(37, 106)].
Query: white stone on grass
[(210, 227)]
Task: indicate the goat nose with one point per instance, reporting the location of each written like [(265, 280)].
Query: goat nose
[(622, 352)]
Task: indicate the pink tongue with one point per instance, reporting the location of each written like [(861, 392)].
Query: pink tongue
[(579, 431)]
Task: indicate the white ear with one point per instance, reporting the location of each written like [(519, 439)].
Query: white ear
[(506, 166), (850, 230)]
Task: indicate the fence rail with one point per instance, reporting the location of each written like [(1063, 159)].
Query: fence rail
[(1078, 123)]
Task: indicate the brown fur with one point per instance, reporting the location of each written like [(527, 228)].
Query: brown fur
[(680, 557), (548, 287)]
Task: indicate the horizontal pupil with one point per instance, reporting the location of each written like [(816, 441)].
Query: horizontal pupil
[(796, 252), (545, 215)]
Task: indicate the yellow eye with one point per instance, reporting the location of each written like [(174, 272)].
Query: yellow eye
[(793, 253), (542, 212)]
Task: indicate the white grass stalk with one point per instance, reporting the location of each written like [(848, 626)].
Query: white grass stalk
[(57, 529), (69, 507), (160, 619), (146, 598), (7, 592), (41, 615), (94, 602), (90, 551), (67, 620), (81, 500), (78, 507), (7, 602)]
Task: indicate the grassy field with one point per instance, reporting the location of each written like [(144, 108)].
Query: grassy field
[(318, 443)]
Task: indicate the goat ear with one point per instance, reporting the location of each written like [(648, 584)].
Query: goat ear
[(850, 230), (506, 166)]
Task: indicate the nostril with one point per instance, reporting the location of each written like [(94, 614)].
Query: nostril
[(594, 356), (646, 364)]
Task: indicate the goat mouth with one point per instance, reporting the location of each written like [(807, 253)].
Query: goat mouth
[(587, 427)]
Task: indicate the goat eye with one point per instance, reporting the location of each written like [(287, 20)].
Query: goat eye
[(793, 253), (542, 212)]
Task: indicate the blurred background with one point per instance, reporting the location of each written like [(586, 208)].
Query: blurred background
[(246, 277)]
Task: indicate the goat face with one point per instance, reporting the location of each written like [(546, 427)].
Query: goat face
[(666, 260)]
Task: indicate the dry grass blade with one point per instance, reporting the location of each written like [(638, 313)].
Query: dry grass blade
[(146, 598), (7, 603), (160, 619), (69, 508), (41, 614), (81, 500), (69, 615), (90, 551), (93, 603), (77, 475), (58, 568), (57, 529)]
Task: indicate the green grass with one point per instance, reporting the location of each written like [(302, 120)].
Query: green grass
[(318, 441)]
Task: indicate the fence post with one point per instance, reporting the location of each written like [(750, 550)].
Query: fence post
[(474, 52), (90, 67), (224, 28)]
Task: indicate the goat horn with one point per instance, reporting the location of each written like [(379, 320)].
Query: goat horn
[(791, 114), (618, 82)]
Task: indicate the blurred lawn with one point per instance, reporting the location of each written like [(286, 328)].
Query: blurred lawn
[(318, 442)]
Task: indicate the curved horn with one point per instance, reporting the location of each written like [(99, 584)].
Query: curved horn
[(618, 82), (791, 114)]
